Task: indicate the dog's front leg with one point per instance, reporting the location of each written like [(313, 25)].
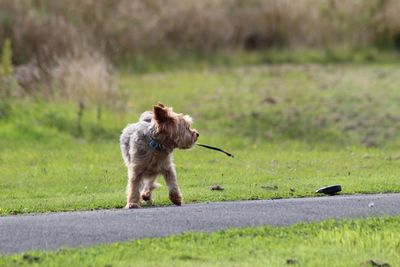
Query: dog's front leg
[(132, 189), (175, 194)]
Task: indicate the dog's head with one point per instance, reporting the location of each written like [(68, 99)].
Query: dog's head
[(174, 129)]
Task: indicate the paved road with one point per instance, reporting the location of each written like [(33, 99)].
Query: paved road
[(71, 229)]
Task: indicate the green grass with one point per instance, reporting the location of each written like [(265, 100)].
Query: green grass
[(292, 128), (329, 243), (191, 60), (91, 176)]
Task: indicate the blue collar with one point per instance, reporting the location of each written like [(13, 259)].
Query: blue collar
[(154, 145)]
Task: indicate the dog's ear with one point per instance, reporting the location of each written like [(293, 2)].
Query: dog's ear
[(161, 114), (160, 105)]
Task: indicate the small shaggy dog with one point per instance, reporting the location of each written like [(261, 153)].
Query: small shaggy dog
[(146, 148)]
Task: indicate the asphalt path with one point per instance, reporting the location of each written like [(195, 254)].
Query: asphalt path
[(52, 231)]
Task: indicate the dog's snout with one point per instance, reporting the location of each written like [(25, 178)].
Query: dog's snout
[(197, 134)]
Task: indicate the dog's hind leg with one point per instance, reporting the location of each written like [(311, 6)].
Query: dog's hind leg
[(149, 185), (133, 193), (175, 194)]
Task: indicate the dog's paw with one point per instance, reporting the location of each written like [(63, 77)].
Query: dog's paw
[(146, 196), (132, 206), (176, 198)]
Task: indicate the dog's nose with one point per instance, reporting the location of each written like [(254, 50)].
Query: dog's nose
[(197, 134)]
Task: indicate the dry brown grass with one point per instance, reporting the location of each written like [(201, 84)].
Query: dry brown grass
[(56, 59), (86, 78), (127, 27), (64, 47)]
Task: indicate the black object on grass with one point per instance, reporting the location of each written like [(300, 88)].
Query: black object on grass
[(217, 187), (217, 149), (330, 190)]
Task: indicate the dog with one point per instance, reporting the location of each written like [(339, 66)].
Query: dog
[(146, 148)]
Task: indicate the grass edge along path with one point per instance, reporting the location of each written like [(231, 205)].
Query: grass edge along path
[(328, 243)]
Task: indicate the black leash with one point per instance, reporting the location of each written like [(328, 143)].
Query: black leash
[(216, 148)]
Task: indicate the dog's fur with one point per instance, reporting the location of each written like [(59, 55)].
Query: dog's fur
[(145, 163)]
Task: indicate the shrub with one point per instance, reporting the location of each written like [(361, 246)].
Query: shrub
[(6, 79), (44, 29)]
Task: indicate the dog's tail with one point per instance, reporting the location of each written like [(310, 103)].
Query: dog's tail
[(146, 116)]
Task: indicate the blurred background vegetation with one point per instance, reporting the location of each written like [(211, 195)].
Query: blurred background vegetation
[(122, 30), (62, 60)]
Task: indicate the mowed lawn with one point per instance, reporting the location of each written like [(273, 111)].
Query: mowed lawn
[(91, 176), (292, 129), (362, 242)]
